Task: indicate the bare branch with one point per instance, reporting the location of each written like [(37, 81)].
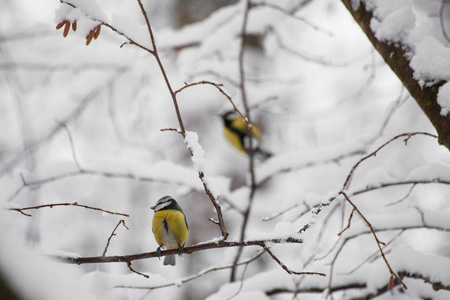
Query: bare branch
[(171, 129), (284, 267), (348, 224), (379, 243), (218, 86), (66, 204), (376, 253), (199, 247), (399, 183), (374, 153), (72, 147), (113, 233), (134, 271)]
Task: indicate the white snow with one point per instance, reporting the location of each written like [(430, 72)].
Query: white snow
[(431, 61), (198, 154), (444, 99), (322, 97), (418, 27)]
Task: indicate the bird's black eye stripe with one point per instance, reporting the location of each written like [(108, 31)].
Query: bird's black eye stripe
[(166, 226)]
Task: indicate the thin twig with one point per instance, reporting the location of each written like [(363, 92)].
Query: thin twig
[(113, 233), (379, 243), (170, 129), (374, 255), (218, 86), (284, 267), (348, 224), (374, 153), (66, 204), (134, 271), (72, 147), (327, 220), (404, 197), (399, 183)]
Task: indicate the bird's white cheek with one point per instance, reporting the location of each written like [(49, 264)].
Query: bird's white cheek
[(161, 206)]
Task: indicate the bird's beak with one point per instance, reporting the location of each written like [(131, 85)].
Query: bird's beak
[(153, 207)]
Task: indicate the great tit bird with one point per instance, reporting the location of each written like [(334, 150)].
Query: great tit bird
[(238, 135), (169, 227)]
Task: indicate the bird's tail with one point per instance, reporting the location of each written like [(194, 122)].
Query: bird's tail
[(169, 260), (262, 155)]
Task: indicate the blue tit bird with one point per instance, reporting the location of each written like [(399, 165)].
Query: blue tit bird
[(238, 135), (169, 227)]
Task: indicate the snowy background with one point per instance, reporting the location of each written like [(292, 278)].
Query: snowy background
[(322, 96)]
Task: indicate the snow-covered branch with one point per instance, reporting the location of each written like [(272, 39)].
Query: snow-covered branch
[(396, 54)]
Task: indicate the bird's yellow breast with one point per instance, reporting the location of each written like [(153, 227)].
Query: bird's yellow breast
[(234, 140), (170, 228), (237, 132)]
